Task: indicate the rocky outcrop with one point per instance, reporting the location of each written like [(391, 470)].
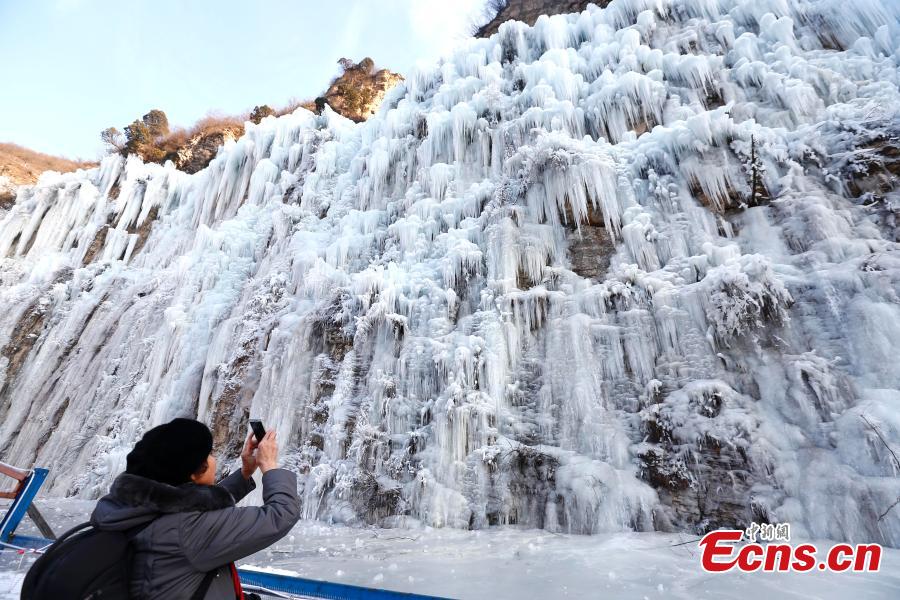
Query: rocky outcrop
[(529, 10), (7, 192), (358, 92), (201, 148)]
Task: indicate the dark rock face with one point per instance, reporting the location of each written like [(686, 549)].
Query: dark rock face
[(871, 174), (16, 351), (7, 199), (529, 10), (590, 246), (698, 459), (199, 151)]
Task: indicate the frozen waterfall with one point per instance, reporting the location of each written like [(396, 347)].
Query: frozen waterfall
[(537, 288)]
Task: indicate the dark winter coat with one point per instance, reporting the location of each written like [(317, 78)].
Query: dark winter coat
[(195, 529)]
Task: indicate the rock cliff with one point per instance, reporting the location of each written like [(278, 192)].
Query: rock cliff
[(528, 11)]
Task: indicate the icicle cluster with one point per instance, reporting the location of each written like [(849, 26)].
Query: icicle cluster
[(537, 288)]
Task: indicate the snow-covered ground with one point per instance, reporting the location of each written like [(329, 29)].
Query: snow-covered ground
[(506, 562)]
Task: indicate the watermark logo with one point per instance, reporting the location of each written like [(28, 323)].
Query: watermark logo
[(765, 549), (769, 532)]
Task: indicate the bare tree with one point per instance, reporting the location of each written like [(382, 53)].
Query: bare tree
[(113, 138), (757, 189), (893, 455)]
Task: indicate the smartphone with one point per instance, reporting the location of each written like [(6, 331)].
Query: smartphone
[(258, 430)]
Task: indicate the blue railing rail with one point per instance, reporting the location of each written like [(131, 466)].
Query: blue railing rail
[(327, 590)]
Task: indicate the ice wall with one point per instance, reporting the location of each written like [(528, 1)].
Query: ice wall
[(537, 288)]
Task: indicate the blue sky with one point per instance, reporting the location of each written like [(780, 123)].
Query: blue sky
[(70, 68)]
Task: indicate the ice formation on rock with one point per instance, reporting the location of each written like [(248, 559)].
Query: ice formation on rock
[(534, 289)]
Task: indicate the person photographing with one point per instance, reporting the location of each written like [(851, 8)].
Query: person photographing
[(184, 529)]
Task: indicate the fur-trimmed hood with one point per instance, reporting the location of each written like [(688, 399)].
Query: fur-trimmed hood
[(135, 500)]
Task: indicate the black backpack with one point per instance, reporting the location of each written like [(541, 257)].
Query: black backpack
[(87, 564)]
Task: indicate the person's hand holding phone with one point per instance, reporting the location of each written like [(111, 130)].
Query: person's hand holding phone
[(267, 452), (259, 453), (248, 459)]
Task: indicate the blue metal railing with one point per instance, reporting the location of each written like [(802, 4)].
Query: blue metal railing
[(19, 507), (322, 589)]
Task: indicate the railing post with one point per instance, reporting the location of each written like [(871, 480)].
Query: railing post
[(28, 489), (19, 475)]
